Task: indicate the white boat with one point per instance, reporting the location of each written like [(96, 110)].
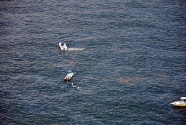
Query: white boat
[(63, 46), (181, 103), (69, 75)]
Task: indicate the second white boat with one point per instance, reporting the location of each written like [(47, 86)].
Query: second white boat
[(181, 103)]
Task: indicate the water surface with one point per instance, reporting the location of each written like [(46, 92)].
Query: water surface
[(132, 68)]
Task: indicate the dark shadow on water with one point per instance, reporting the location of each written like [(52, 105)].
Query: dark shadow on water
[(178, 108)]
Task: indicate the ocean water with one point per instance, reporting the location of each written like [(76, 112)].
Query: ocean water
[(132, 68)]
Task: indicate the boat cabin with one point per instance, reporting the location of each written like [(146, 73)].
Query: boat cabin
[(183, 99)]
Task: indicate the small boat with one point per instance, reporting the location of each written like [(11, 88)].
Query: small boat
[(69, 75), (181, 103), (62, 46)]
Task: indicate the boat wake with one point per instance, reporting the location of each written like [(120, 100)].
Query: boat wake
[(75, 86), (74, 49)]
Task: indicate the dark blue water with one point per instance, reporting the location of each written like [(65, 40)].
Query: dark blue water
[(132, 68)]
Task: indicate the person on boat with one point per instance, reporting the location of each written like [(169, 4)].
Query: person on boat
[(63, 46)]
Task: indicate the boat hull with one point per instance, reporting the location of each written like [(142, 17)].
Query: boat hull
[(67, 80), (179, 104)]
